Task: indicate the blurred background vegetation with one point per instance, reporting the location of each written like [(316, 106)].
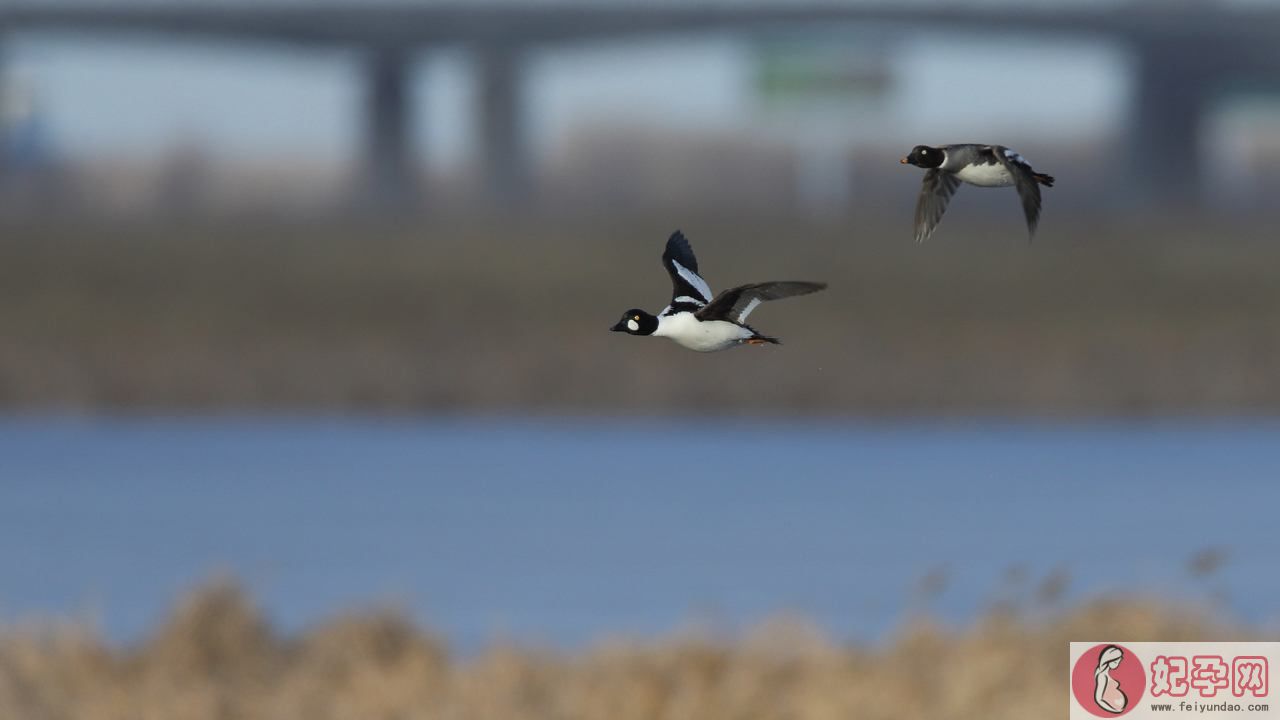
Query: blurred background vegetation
[(1107, 318), (217, 656), (434, 209)]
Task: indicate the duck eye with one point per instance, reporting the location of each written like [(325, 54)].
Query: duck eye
[(636, 318)]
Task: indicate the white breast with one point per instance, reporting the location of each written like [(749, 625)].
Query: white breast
[(687, 331), (993, 175)]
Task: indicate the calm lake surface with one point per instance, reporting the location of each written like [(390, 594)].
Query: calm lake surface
[(564, 531)]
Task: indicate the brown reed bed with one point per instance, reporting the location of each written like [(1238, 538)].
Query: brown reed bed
[(1100, 316), (217, 658)]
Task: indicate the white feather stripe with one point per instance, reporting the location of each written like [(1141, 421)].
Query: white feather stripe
[(742, 316), (692, 278), (1014, 156)]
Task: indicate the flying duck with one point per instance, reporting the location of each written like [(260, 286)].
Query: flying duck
[(981, 165), (695, 319)]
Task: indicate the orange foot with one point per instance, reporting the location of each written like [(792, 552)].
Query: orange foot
[(756, 341)]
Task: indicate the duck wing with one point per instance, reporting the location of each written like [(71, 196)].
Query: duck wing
[(1024, 179), (689, 292), (735, 304), (935, 193)]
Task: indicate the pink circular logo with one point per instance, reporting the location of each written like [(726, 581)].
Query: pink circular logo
[(1108, 680)]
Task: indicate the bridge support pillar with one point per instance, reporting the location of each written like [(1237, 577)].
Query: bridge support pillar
[(389, 168), (1172, 90), (504, 155), (5, 93)]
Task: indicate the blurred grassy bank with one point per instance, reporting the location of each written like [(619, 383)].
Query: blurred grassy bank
[(217, 658), (1097, 317)]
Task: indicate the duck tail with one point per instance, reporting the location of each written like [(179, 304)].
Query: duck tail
[(1046, 180)]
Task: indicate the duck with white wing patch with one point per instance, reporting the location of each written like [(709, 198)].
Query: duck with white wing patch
[(981, 165), (695, 319)]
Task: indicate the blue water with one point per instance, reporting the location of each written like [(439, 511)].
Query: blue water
[(564, 531)]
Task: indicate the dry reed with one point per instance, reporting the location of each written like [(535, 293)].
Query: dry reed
[(217, 659)]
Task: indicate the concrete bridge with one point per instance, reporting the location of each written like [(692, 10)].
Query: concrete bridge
[(1185, 50)]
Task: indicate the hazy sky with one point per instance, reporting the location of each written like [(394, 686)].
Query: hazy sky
[(130, 95)]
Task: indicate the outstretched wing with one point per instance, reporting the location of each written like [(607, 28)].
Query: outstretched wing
[(1024, 178), (737, 303), (935, 193), (689, 292)]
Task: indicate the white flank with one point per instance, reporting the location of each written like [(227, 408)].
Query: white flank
[(709, 336), (993, 175), (692, 278)]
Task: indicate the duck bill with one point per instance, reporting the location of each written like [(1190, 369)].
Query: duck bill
[(904, 161), (620, 327)]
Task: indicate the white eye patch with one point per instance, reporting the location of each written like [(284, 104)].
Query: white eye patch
[(633, 326)]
